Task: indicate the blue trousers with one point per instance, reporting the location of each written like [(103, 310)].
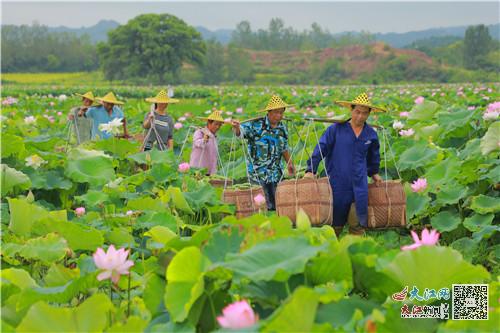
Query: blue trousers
[(342, 201)]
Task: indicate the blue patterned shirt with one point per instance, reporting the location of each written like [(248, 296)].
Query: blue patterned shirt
[(266, 146)]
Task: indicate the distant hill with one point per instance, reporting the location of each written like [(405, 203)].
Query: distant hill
[(97, 33), (221, 35), (407, 38)]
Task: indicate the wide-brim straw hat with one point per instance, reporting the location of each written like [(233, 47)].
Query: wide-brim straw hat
[(275, 103), (109, 98), (162, 98), (361, 100), (215, 116), (87, 95)]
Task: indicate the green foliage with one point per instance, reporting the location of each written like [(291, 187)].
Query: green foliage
[(192, 257), (35, 49), (151, 46), (90, 316), (212, 68), (239, 66), (477, 43)]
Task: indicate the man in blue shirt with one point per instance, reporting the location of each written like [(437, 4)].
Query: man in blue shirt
[(351, 153), (104, 114), (267, 139)]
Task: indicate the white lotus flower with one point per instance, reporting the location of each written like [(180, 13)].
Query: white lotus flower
[(491, 115), (397, 125), (114, 183), (34, 161), (29, 120), (113, 127)]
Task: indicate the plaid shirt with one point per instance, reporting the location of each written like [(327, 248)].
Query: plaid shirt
[(266, 146)]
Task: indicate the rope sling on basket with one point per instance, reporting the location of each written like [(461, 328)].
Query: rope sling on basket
[(312, 195), (72, 125), (152, 128), (243, 199), (386, 202)]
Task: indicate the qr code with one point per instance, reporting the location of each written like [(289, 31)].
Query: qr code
[(470, 302)]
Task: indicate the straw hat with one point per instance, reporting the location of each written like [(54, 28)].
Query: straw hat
[(109, 98), (275, 103), (362, 100), (215, 116), (162, 97), (87, 95)]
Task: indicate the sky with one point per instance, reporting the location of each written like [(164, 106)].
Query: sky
[(392, 16)]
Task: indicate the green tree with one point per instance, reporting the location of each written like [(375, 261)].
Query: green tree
[(332, 71), (212, 69), (243, 36), (477, 44), (239, 66), (152, 46)]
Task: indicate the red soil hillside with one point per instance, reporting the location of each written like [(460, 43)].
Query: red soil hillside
[(356, 59)]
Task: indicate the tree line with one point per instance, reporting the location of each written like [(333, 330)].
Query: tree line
[(158, 48), (280, 38), (35, 49)]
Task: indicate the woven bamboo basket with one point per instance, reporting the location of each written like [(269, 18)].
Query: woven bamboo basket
[(314, 196), (244, 201), (386, 206), (220, 182)]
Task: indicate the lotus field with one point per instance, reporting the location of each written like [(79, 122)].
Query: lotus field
[(101, 237)]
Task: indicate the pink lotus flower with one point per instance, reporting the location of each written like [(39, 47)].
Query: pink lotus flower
[(419, 100), (182, 118), (9, 101), (408, 132), (404, 114), (237, 315), (80, 211), (493, 107), (178, 126), (239, 110), (471, 108), (259, 199), (184, 167), (419, 185), (129, 212), (59, 113), (114, 263), (428, 239)]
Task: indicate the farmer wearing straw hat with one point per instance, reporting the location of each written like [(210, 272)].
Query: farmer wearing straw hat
[(158, 124), (267, 139), (351, 153), (83, 126), (205, 151), (103, 114)]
